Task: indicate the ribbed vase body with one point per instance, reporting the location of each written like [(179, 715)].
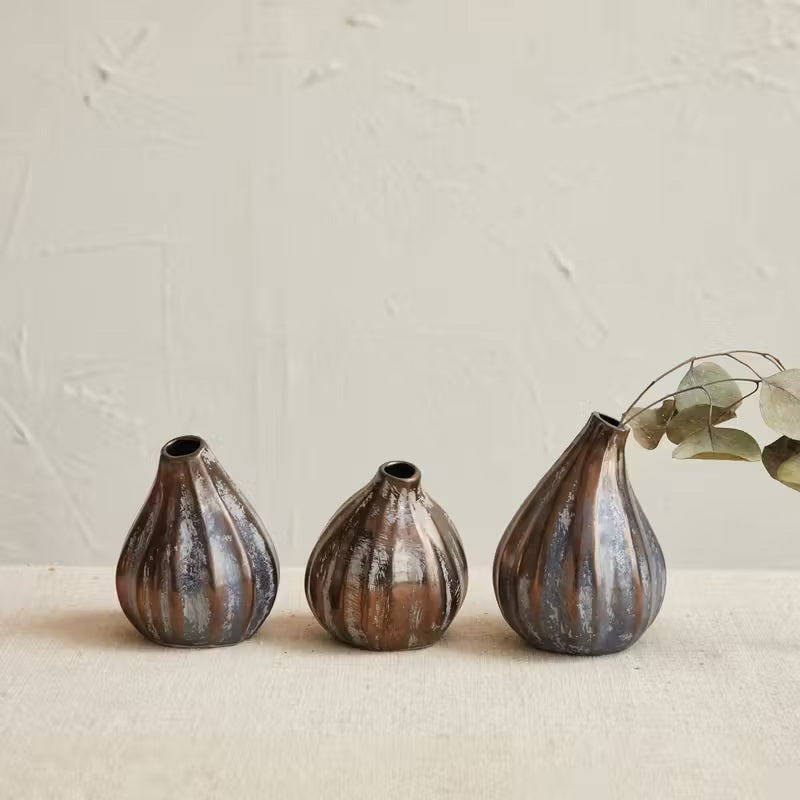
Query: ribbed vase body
[(198, 568), (579, 569), (388, 572)]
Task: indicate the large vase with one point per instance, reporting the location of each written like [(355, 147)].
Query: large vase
[(198, 568), (579, 569), (388, 572)]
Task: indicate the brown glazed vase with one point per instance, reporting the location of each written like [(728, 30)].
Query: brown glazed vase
[(579, 569), (198, 568), (388, 572)]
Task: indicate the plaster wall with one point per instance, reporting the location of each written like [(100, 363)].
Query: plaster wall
[(328, 234)]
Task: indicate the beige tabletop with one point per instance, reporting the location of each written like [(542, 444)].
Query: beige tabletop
[(706, 705)]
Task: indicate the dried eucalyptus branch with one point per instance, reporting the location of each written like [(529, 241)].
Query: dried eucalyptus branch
[(756, 381), (726, 354), (692, 421)]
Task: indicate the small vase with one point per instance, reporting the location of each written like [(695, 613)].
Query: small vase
[(388, 572), (198, 568), (579, 569)]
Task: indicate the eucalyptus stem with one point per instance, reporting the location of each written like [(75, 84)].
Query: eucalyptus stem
[(756, 381), (726, 354), (709, 421), (745, 364)]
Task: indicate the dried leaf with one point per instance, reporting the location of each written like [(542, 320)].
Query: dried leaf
[(694, 419), (723, 444), (789, 472), (782, 461), (722, 394), (780, 402), (649, 426)]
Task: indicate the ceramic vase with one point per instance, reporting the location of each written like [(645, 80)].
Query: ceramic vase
[(388, 572), (198, 568), (579, 569)]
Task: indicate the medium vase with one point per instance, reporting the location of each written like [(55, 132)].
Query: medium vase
[(198, 568), (579, 569), (388, 572)]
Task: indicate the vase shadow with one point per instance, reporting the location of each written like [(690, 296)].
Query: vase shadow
[(93, 629), (296, 632), (481, 635), (489, 636), (486, 635)]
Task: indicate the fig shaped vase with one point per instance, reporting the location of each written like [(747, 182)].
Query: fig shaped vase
[(198, 568), (388, 572), (579, 569)]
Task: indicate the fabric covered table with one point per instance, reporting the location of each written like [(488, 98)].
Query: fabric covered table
[(706, 705)]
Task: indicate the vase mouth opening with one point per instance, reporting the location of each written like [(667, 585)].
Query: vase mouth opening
[(183, 446), (612, 422), (400, 471)]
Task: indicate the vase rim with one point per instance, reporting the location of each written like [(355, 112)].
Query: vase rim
[(609, 421), (402, 473), (183, 447)]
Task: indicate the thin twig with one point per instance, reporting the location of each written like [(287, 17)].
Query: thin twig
[(756, 381), (745, 364), (776, 361), (726, 354), (742, 398), (709, 423), (710, 413)]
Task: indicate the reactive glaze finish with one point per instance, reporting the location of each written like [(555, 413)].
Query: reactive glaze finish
[(579, 569), (198, 568), (388, 572)]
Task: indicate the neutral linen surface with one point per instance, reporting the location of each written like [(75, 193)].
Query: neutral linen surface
[(706, 705)]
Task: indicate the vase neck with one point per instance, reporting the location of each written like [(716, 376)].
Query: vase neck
[(178, 454), (606, 428), (399, 475), (602, 438)]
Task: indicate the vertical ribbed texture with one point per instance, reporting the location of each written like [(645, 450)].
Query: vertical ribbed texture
[(579, 569), (388, 572), (198, 567)]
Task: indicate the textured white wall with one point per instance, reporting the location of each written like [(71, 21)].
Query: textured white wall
[(326, 234)]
